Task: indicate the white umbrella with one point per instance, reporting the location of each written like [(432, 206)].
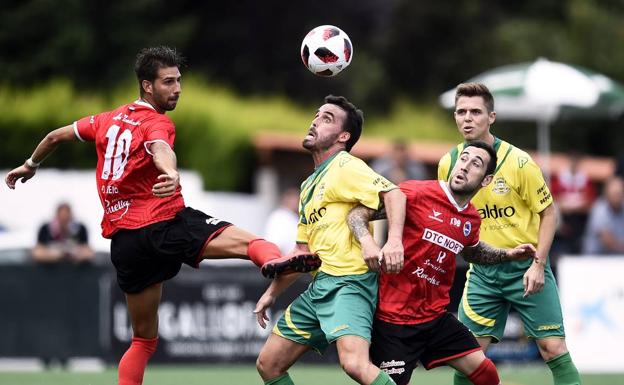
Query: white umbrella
[(540, 91)]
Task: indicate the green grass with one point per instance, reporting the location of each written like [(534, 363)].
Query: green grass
[(301, 375)]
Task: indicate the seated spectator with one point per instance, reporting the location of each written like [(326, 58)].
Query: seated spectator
[(397, 166), (605, 228), (574, 194), (281, 226), (62, 239)]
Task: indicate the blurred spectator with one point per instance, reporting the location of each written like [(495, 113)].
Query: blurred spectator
[(605, 229), (397, 166), (574, 194), (281, 226), (62, 239)]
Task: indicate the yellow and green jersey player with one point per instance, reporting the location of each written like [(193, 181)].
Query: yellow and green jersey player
[(339, 304), (516, 208)]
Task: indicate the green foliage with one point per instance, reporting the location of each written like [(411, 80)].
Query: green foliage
[(400, 46), (26, 115), (214, 125)]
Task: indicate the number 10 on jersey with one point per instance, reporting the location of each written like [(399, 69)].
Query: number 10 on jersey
[(120, 146)]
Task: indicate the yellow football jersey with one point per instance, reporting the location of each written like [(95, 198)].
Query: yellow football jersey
[(336, 186), (510, 205)]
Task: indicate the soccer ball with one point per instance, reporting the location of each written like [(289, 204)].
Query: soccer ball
[(326, 50)]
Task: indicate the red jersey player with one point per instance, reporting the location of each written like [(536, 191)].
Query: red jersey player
[(152, 232), (411, 323)]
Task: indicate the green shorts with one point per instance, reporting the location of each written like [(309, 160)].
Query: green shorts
[(486, 302), (331, 307)]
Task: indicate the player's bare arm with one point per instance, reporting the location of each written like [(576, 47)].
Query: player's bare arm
[(392, 251), (358, 219), (45, 148), (277, 287), (484, 254), (165, 161), (546, 233), (534, 277)]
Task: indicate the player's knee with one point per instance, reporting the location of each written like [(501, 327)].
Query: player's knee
[(551, 347), (145, 329), (485, 374), (262, 365), (353, 366), (267, 367)]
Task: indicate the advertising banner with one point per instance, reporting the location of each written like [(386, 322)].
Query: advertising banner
[(205, 316), (592, 297)]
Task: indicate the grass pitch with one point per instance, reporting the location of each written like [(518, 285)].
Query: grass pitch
[(301, 375)]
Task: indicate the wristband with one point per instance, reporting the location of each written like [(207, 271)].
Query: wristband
[(32, 164)]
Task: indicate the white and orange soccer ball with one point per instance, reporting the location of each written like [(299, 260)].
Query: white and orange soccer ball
[(326, 50)]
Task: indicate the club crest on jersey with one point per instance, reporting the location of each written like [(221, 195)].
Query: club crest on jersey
[(499, 186), (467, 228)]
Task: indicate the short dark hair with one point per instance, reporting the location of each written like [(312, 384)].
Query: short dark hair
[(150, 60), (353, 123), (491, 166), (476, 89)]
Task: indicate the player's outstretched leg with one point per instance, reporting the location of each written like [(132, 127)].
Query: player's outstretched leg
[(234, 242), (300, 263), (143, 309)]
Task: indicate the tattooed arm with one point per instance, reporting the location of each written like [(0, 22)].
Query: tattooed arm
[(358, 219), (484, 254)]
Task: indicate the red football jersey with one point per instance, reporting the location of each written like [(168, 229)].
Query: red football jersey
[(436, 230), (125, 170)]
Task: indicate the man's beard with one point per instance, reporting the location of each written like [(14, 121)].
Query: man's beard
[(320, 143), (465, 190)]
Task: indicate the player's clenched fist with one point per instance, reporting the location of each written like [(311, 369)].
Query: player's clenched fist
[(393, 255)]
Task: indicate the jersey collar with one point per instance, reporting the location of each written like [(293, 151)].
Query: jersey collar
[(496, 145), (446, 190), (144, 104), (326, 162)]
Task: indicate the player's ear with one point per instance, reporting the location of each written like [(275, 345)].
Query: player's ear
[(344, 137), (147, 86), (487, 180), (492, 117)]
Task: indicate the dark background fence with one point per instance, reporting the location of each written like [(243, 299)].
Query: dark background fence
[(62, 311)]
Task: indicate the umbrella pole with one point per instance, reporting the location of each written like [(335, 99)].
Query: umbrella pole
[(543, 146)]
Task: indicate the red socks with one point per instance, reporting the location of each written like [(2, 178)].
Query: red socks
[(261, 251), (133, 363), (485, 374)]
